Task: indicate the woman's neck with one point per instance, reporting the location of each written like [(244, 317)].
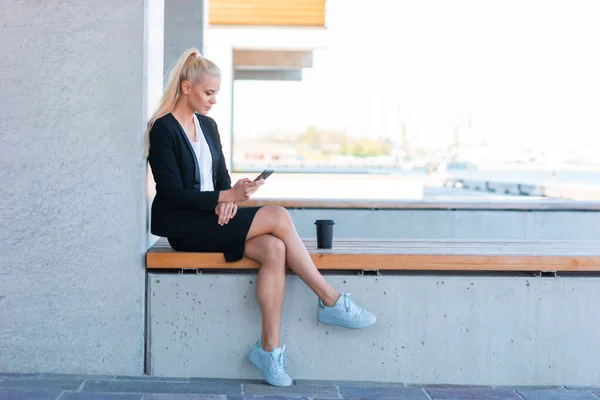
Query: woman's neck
[(183, 113)]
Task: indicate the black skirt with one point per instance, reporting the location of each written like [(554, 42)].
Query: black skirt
[(210, 237)]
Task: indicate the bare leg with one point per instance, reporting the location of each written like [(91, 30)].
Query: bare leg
[(269, 251), (277, 222)]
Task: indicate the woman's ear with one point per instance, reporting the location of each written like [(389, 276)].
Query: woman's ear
[(186, 86)]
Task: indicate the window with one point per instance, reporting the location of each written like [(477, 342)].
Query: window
[(450, 91)]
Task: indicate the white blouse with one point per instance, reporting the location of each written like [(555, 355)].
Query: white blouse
[(204, 158)]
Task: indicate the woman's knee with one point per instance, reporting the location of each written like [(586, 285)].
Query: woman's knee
[(275, 251), (279, 214), (272, 220)]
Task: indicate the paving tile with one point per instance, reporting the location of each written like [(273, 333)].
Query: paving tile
[(230, 388), (16, 375), (271, 398), (380, 392), (561, 394), (526, 387), (77, 376), (353, 383), (320, 391), (278, 398), (148, 378), (170, 396), (472, 394), (42, 383), (224, 380), (100, 396), (29, 394), (451, 386)]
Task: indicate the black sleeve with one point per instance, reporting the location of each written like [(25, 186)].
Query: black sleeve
[(223, 178), (167, 176)]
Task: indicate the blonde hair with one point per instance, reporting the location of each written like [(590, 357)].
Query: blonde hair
[(191, 66)]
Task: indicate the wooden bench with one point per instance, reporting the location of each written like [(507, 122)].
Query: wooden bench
[(411, 254)]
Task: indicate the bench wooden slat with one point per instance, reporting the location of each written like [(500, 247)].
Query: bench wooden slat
[(473, 247), (401, 254), (520, 203)]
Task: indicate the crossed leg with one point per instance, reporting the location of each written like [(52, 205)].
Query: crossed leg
[(274, 242), (269, 251)]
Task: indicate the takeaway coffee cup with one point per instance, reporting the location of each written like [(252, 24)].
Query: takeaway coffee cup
[(324, 233)]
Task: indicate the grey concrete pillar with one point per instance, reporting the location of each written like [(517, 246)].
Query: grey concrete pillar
[(72, 192), (184, 28)]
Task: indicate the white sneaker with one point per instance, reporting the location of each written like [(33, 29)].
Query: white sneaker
[(345, 313), (271, 364)]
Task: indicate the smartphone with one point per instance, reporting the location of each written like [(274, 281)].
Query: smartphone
[(264, 175)]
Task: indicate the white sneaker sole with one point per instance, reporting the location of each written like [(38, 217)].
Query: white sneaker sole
[(352, 325)]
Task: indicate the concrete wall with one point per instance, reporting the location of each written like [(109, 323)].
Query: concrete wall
[(483, 329), (453, 224), (72, 197), (184, 28)]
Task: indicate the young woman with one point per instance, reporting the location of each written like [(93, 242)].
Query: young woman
[(196, 209)]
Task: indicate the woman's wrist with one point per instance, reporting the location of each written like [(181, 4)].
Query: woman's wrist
[(226, 196)]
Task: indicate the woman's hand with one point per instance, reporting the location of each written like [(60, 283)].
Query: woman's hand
[(244, 188), (225, 211)]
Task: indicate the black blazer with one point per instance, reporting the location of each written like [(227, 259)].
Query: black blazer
[(177, 175)]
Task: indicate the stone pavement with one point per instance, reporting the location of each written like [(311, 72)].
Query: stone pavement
[(82, 387)]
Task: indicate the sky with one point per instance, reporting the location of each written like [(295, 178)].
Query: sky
[(508, 71)]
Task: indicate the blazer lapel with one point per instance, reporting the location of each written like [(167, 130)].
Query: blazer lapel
[(191, 149)]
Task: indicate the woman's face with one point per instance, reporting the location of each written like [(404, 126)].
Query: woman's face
[(203, 96)]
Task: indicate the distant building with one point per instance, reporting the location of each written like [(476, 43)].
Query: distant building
[(260, 40)]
